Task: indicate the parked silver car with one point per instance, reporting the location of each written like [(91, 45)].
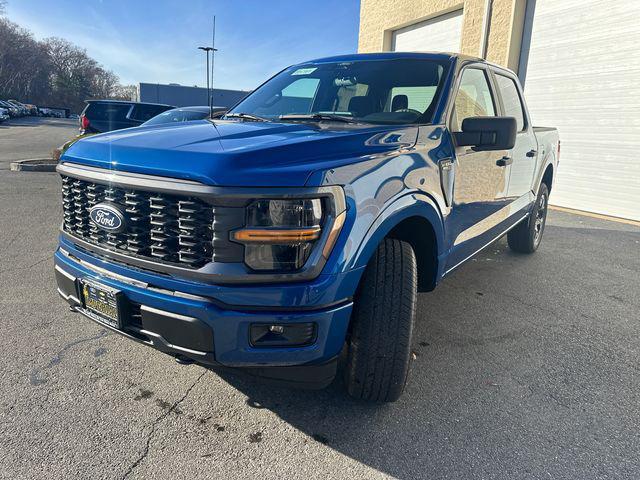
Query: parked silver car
[(23, 111), (11, 109)]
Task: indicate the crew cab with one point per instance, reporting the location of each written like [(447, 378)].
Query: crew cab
[(299, 228)]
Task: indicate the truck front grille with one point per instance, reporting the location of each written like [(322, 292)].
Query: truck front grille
[(164, 228)]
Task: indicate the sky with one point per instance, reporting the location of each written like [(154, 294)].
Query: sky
[(156, 41)]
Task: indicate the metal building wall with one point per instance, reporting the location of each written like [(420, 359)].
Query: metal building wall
[(183, 96)]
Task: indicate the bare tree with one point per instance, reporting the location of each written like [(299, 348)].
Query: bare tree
[(23, 64), (53, 72), (76, 77), (105, 83), (127, 92), (72, 72)]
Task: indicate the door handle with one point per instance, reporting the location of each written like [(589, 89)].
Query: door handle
[(532, 153), (504, 161)]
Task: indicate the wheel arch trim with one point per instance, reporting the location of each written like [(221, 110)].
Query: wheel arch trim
[(405, 207), (549, 161)]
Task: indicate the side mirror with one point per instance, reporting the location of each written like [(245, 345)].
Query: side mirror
[(487, 133)]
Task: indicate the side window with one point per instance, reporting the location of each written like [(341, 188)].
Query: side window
[(473, 98), (107, 112), (511, 100), (142, 113)]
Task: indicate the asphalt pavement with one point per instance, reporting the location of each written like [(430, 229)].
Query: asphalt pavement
[(525, 367), (33, 137)]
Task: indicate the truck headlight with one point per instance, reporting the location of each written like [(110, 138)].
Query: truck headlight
[(280, 234)]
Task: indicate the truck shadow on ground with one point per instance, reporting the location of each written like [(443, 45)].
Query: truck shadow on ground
[(451, 401), (489, 390)]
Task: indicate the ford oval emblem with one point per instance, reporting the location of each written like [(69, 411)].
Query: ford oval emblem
[(107, 217)]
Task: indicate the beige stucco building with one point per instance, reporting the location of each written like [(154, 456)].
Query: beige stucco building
[(379, 19), (577, 60)]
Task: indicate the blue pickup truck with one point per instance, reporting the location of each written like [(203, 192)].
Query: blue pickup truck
[(298, 229)]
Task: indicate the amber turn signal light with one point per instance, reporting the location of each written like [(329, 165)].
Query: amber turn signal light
[(333, 234), (281, 236)]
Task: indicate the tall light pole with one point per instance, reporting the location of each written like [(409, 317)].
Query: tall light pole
[(206, 51), (213, 56)]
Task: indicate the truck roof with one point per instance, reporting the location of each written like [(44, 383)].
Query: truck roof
[(396, 55), (450, 56)]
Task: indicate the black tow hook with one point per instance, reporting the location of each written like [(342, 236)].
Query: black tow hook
[(182, 360)]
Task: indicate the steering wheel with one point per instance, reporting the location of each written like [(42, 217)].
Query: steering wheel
[(408, 110)]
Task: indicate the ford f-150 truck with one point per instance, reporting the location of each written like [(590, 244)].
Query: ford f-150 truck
[(298, 228)]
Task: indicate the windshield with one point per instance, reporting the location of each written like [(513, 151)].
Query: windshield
[(370, 91), (177, 115)]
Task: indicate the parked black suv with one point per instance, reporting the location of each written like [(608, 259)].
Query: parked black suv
[(106, 115)]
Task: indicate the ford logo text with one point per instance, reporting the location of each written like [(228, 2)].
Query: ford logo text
[(107, 217)]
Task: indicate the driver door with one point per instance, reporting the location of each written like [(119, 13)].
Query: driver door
[(480, 178)]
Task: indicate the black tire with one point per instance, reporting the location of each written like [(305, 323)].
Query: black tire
[(379, 347), (526, 237)]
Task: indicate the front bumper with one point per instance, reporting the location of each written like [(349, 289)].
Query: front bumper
[(195, 323)]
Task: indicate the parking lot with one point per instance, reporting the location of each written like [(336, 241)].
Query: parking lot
[(33, 137), (525, 367)]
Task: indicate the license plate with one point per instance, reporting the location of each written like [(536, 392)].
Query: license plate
[(102, 301)]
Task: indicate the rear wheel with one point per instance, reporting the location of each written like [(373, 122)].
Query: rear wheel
[(526, 237), (384, 310)]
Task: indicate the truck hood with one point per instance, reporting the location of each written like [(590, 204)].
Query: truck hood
[(238, 153)]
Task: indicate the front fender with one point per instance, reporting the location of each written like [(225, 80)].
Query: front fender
[(407, 206)]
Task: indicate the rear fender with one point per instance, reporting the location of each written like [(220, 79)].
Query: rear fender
[(549, 159)]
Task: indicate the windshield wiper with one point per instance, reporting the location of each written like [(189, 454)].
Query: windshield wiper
[(247, 116), (318, 117)]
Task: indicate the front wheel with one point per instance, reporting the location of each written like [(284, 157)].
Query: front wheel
[(526, 237), (384, 311)]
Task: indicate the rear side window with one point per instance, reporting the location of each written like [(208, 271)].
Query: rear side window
[(511, 100), (142, 113), (107, 112), (473, 99)]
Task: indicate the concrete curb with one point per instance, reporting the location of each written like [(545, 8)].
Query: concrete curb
[(34, 165)]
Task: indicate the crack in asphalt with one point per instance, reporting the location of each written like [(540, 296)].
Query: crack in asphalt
[(156, 422), (42, 260), (10, 242), (34, 376)]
